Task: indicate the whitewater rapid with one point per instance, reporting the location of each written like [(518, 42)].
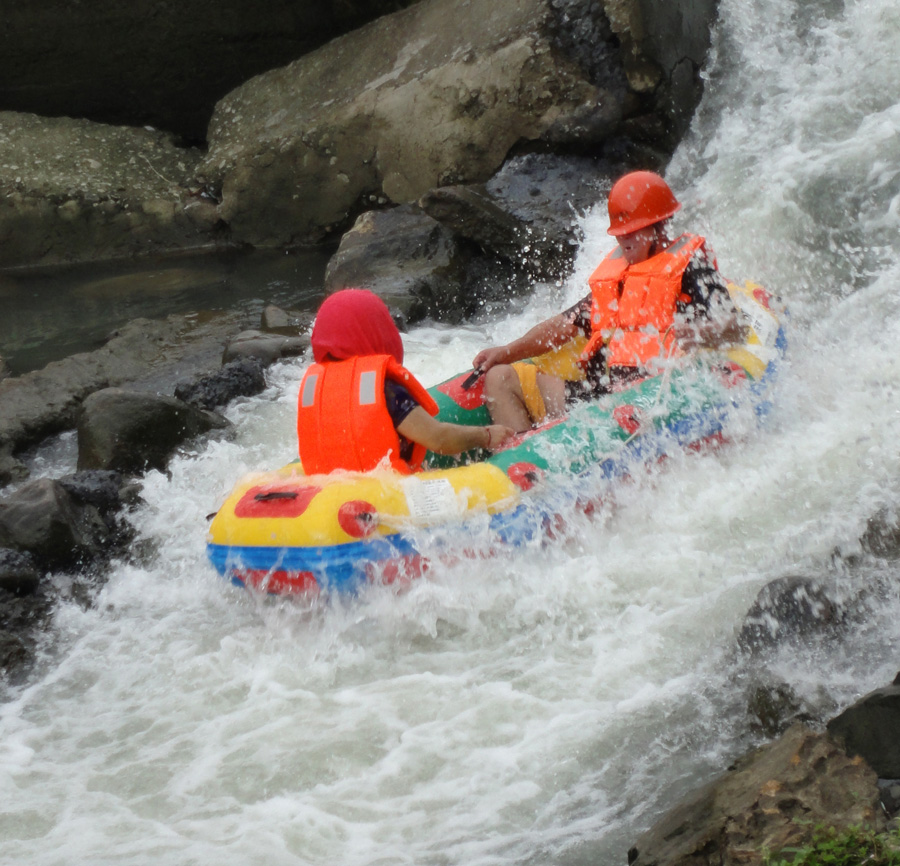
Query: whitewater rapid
[(543, 705)]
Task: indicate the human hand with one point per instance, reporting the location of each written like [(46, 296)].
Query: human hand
[(488, 358), (498, 436)]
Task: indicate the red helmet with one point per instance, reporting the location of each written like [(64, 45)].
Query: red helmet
[(637, 200)]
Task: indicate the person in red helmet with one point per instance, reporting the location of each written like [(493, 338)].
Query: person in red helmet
[(359, 408), (651, 298)]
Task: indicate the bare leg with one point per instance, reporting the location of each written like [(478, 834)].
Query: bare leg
[(506, 401), (504, 398)]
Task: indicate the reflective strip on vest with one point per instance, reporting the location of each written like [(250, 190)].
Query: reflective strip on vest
[(367, 381), (309, 390)]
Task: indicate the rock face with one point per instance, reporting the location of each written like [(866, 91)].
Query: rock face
[(154, 62), (770, 800), (73, 189), (438, 94)]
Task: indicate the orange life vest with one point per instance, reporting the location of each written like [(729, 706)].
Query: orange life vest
[(633, 306), (343, 420)]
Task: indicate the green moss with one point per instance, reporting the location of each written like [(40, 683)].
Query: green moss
[(851, 847)]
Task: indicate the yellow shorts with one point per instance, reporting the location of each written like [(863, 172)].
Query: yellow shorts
[(562, 362), (534, 402)]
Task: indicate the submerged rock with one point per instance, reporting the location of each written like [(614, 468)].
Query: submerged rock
[(48, 522), (882, 534), (787, 609), (18, 573)]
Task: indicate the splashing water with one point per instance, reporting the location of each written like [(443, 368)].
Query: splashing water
[(543, 705)]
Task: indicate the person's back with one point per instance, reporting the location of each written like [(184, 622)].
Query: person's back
[(359, 408)]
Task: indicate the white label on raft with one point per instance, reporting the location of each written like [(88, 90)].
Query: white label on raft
[(431, 499), (764, 324)]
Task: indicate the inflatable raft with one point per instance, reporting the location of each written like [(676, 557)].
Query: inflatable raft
[(285, 532)]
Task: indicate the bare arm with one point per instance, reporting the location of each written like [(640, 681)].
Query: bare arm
[(721, 329), (549, 334), (442, 437)]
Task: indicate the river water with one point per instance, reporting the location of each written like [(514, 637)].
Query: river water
[(546, 705)]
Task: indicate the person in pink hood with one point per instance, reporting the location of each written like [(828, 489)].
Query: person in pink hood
[(360, 408)]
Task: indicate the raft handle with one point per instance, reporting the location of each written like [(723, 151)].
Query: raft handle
[(472, 378), (274, 495)]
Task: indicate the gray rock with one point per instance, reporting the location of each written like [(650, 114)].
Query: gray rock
[(11, 470), (286, 323), (18, 573), (242, 377), (789, 609), (871, 729), (435, 95), (72, 190), (773, 708), (265, 348), (42, 518), (408, 259), (772, 799), (98, 487), (144, 354), (130, 431), (472, 213), (550, 193)]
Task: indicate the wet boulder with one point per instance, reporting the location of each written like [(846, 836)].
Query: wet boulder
[(264, 347), (774, 707), (406, 258), (789, 609), (882, 534), (871, 729), (45, 520), (18, 572), (242, 377), (286, 323), (770, 800), (529, 212), (131, 431)]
